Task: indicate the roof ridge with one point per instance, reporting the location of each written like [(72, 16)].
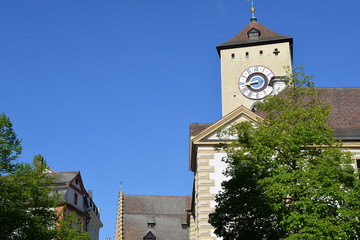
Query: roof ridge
[(141, 195)]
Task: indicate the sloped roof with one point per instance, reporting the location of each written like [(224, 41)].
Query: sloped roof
[(345, 113), (242, 38), (167, 212), (65, 177), (196, 128), (344, 117)]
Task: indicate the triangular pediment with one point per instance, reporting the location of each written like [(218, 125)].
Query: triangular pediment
[(210, 134)]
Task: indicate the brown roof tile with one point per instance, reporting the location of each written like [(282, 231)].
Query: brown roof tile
[(167, 212), (196, 128), (345, 113), (242, 38)]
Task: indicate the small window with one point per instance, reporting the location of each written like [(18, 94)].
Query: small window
[(247, 55), (261, 53), (151, 225), (255, 106), (76, 181), (184, 226), (75, 198), (233, 56), (358, 164)]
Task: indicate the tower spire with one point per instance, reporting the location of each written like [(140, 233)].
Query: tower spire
[(253, 18), (119, 228)]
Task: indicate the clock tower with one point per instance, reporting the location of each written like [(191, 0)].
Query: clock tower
[(254, 64)]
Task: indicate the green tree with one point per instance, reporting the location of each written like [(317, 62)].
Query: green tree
[(288, 179), (71, 228), (28, 203), (28, 197), (10, 146)]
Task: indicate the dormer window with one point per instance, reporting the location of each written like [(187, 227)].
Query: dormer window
[(253, 34), (149, 236), (150, 221)]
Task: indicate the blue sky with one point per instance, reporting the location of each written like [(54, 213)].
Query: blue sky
[(110, 87)]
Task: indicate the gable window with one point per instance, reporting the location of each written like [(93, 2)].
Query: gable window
[(75, 198)]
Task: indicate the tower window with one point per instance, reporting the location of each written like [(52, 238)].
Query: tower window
[(233, 56), (261, 53), (247, 55), (254, 34)]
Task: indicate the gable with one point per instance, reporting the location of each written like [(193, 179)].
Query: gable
[(77, 184), (210, 134), (213, 136)]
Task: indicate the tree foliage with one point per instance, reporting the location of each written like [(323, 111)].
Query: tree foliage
[(28, 203), (71, 228), (288, 178), (28, 199), (10, 146)]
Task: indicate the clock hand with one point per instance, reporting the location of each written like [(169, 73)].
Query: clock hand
[(251, 83)]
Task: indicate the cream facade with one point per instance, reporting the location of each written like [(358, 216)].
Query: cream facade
[(235, 61), (208, 167)]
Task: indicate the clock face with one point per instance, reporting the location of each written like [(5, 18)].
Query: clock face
[(254, 82)]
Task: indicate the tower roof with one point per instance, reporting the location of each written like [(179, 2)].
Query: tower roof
[(254, 34)]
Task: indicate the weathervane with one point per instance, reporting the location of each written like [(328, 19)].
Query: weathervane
[(253, 18)]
